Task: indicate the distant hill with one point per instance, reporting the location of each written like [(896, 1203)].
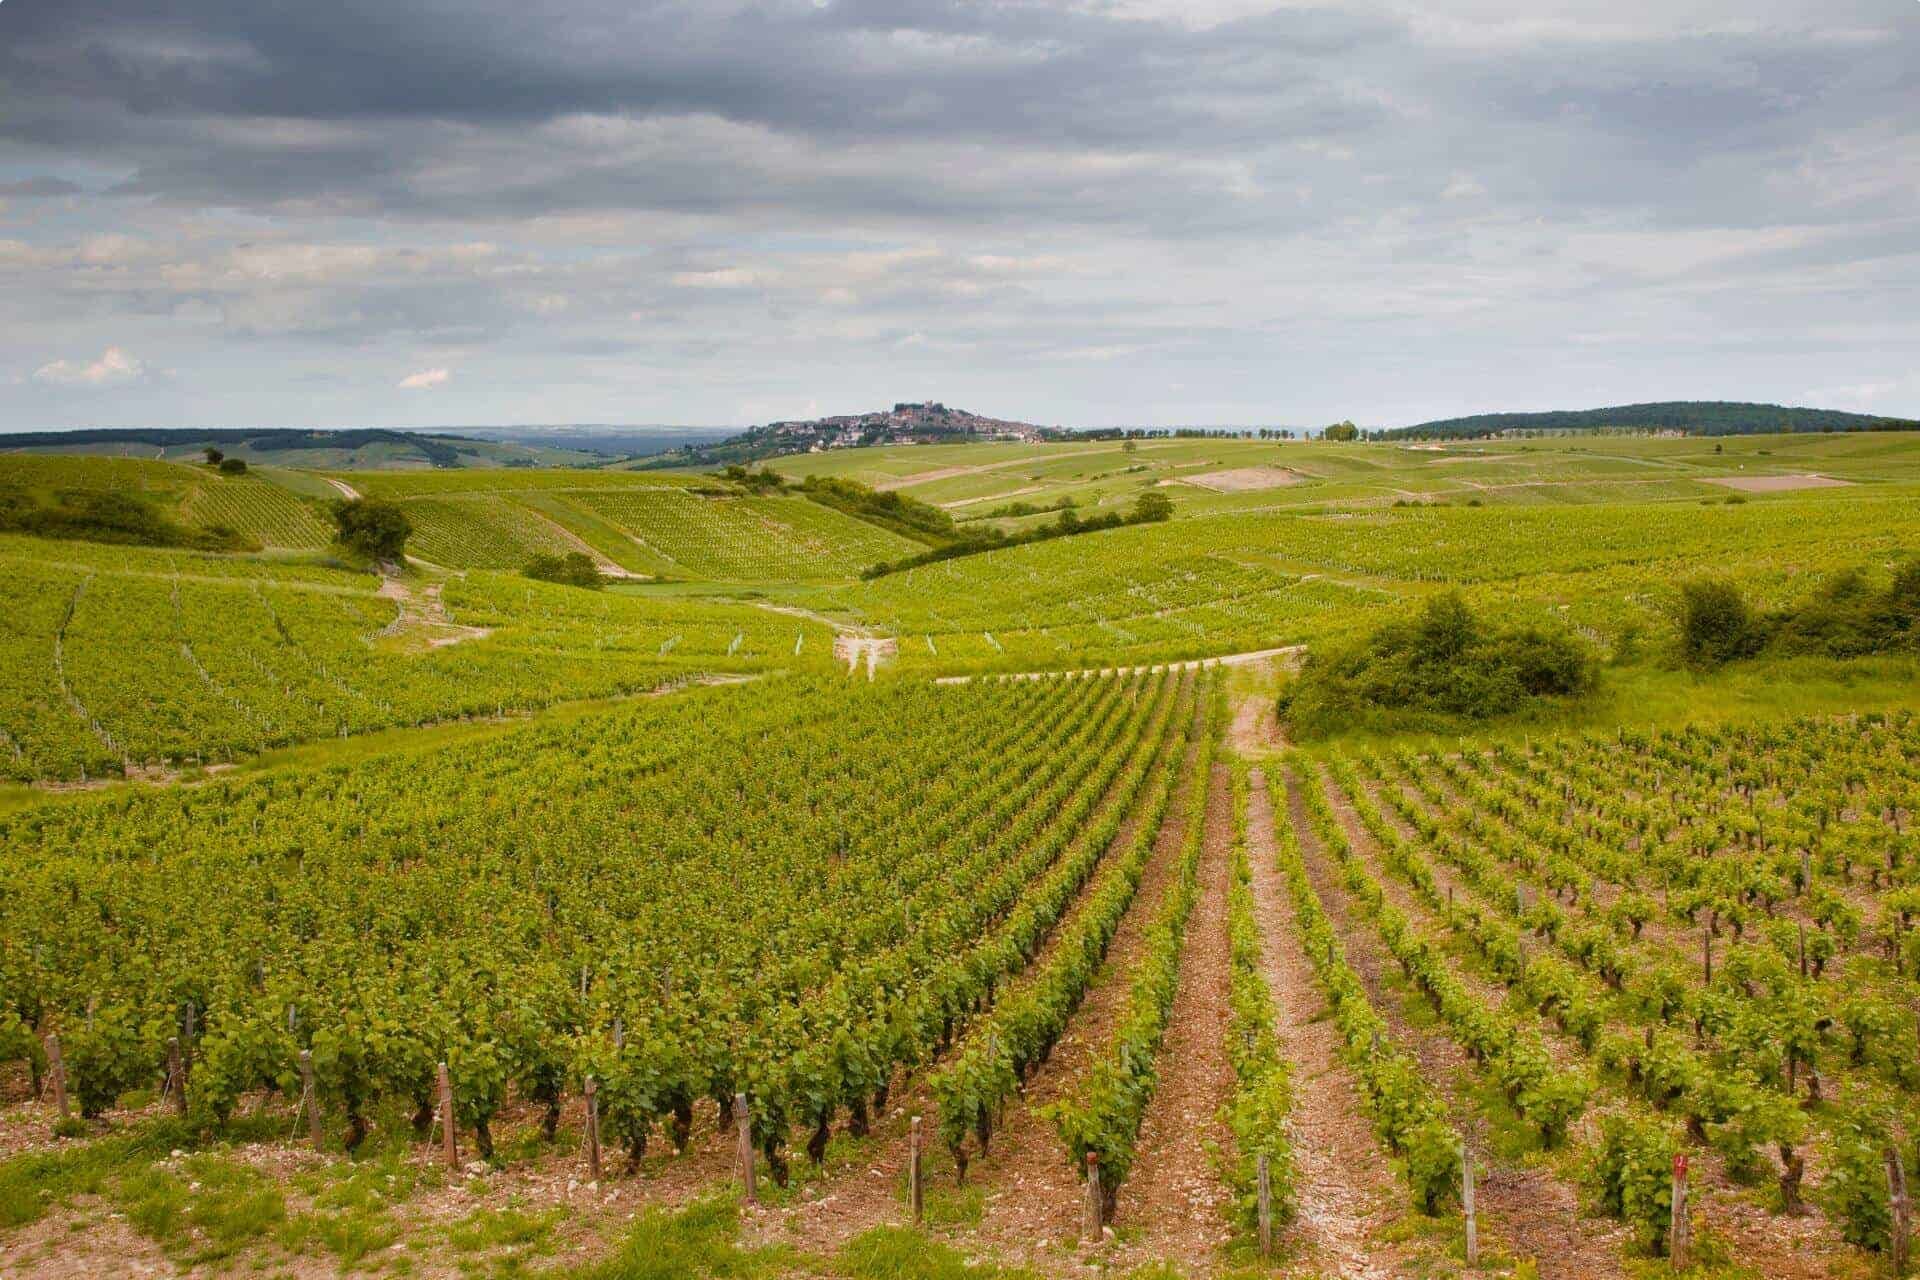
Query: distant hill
[(373, 448), (591, 437), (1690, 417), (927, 423)]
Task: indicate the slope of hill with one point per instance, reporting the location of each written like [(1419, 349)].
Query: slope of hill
[(1691, 417), (374, 448)]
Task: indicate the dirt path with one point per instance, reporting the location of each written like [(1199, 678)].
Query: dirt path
[(425, 611), (344, 489), (1346, 1194), (1525, 1210), (1034, 1198), (1255, 730), (1176, 1201)]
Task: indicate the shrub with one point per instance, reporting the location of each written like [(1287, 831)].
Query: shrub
[(373, 527), (574, 569), (101, 516), (1716, 623), (1845, 617), (1445, 662), (233, 466)]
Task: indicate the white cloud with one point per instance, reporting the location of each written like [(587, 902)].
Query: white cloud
[(426, 379), (114, 366), (724, 278)]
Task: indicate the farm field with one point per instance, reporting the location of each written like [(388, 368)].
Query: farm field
[(440, 921)]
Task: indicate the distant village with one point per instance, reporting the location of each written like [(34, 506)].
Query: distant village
[(927, 423)]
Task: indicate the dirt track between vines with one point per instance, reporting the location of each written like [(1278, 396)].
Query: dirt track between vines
[(1346, 1195), (1174, 1204)]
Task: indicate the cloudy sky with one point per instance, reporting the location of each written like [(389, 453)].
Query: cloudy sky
[(413, 212)]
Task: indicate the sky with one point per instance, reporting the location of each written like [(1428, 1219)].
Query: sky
[(1152, 212)]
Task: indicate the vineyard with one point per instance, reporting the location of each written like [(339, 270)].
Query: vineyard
[(1527, 978), (124, 659), (450, 922)]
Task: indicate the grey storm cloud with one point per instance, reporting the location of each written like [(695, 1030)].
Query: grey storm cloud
[(1070, 211)]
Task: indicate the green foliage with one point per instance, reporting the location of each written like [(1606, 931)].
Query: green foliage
[(1256, 1113), (1021, 1031), (574, 569), (1151, 507), (891, 510), (1696, 417), (1445, 662), (373, 527), (1103, 1118), (104, 515), (699, 1240), (1341, 432), (1632, 1176), (1854, 1190), (233, 466), (1845, 617)]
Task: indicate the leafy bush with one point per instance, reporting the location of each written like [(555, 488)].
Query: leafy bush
[(233, 466), (574, 569), (908, 517), (92, 515), (1845, 617), (1445, 662), (373, 527)]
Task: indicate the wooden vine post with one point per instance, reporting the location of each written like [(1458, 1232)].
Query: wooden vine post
[(176, 1075), (309, 1101), (57, 1068), (1466, 1205), (593, 1128), (1263, 1192), (915, 1196), (1680, 1229), (449, 1150), (1902, 1210), (743, 1131), (1096, 1218)]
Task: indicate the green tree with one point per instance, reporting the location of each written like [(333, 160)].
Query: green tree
[(213, 456), (1151, 507), (233, 466), (373, 527), (1341, 431)]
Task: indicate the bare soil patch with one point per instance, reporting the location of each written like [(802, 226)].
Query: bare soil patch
[(1244, 479), (957, 503), (1776, 484)]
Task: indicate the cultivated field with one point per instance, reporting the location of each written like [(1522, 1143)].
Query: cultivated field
[(378, 923)]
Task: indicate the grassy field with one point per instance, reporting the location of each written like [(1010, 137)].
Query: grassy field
[(746, 823)]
